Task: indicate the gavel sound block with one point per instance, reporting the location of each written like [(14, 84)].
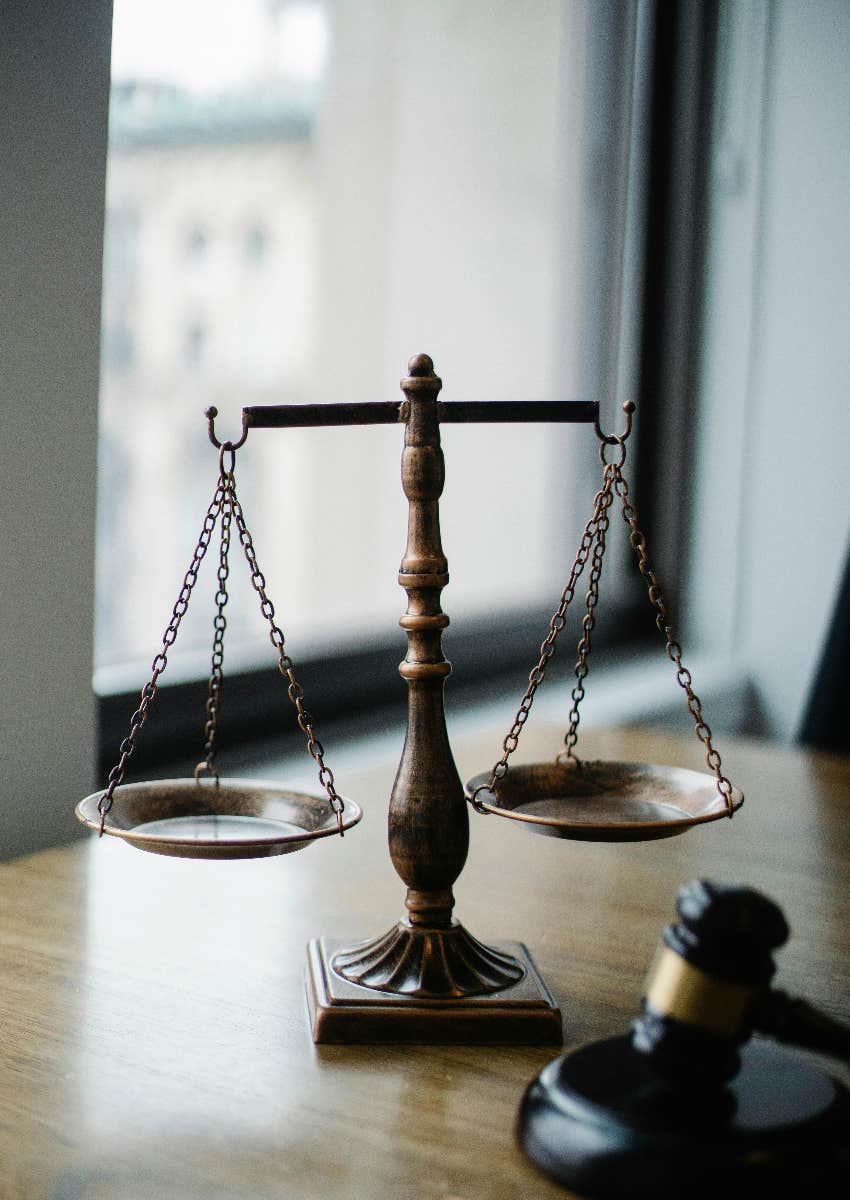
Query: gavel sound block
[(687, 1105)]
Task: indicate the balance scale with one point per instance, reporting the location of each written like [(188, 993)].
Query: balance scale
[(427, 979)]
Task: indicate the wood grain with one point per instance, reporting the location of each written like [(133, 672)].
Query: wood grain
[(154, 1035)]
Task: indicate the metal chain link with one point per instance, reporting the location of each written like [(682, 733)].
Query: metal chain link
[(594, 538), (213, 705), (547, 649), (286, 665), (160, 661), (589, 619), (637, 541)]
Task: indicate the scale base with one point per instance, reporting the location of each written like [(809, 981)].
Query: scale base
[(523, 1014), (598, 1121)]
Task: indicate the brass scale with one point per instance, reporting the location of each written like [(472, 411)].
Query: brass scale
[(428, 978)]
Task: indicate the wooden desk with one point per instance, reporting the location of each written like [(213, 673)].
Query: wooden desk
[(154, 1037)]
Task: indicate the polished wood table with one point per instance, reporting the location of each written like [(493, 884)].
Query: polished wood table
[(154, 1033)]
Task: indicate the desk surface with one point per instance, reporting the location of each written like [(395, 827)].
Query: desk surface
[(154, 1036)]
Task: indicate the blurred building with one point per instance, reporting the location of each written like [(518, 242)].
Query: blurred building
[(209, 284)]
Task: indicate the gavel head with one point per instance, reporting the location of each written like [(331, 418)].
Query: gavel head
[(709, 973)]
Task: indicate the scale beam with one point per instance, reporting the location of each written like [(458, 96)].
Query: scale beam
[(514, 412), (302, 416)]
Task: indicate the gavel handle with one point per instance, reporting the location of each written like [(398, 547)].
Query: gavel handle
[(790, 1019)]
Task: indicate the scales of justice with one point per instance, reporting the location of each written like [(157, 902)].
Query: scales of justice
[(427, 979)]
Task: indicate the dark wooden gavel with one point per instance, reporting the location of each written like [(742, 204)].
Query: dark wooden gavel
[(690, 1103), (709, 989)]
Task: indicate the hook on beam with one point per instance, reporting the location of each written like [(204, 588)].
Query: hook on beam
[(617, 439), (211, 413)]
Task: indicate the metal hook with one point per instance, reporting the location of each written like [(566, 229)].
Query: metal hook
[(617, 440), (211, 413)]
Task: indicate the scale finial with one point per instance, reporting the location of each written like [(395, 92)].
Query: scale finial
[(419, 365)]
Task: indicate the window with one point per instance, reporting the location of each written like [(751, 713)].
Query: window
[(193, 344), (451, 207), (121, 251), (255, 243), (117, 349), (196, 244)]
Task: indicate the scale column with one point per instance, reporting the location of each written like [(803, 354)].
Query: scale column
[(427, 954), (428, 818), (427, 978)]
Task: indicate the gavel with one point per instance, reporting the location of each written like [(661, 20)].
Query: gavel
[(690, 1103), (708, 989)]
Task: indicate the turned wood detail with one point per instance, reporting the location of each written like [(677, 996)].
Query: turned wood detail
[(429, 963), (428, 819), (427, 954)]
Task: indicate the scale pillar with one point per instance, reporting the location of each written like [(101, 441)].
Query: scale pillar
[(428, 819), (427, 978)]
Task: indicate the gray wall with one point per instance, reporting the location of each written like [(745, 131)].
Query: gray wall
[(54, 80)]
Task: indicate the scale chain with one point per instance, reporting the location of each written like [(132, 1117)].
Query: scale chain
[(160, 661), (589, 619), (547, 649), (593, 544), (213, 705), (285, 663), (637, 540)]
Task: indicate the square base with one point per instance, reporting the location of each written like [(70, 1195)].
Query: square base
[(344, 1012)]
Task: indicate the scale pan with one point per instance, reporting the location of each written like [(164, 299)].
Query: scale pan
[(239, 818), (605, 801)]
